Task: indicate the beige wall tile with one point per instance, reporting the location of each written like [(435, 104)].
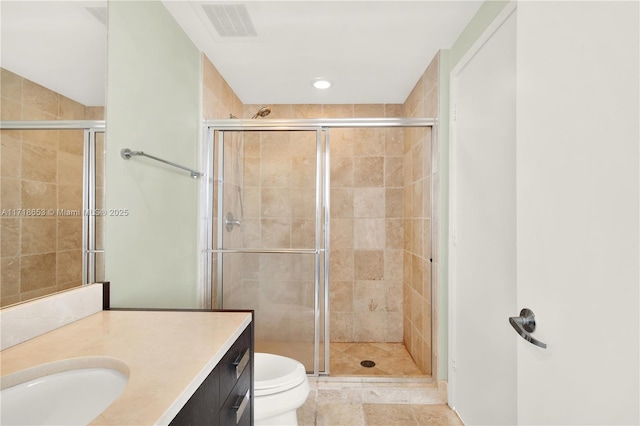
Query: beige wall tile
[(10, 193), (276, 172), (69, 266), (10, 85), (342, 172), (342, 296), (342, 202), (70, 109), (40, 98), (338, 111), (393, 171), (393, 296), (394, 142), (69, 169), (369, 234), (303, 233), (275, 203), (69, 197), (394, 234), (44, 138), (38, 235), (37, 271), (341, 324), (369, 142), (341, 234), (275, 233), (38, 195), (368, 171), (72, 141), (394, 202), (368, 264), (308, 111), (10, 278), (369, 296), (70, 233), (368, 110), (10, 161), (94, 113), (10, 110), (39, 164), (394, 110), (369, 203), (369, 326), (341, 265), (341, 143), (303, 203), (9, 236)]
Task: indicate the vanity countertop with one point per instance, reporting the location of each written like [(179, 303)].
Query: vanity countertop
[(168, 354)]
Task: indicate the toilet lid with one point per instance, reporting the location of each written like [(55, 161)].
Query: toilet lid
[(275, 373)]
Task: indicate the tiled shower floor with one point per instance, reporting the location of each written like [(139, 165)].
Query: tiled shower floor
[(391, 359)]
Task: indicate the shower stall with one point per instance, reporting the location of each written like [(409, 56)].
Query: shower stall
[(272, 198)]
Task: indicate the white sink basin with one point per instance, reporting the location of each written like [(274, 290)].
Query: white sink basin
[(69, 392)]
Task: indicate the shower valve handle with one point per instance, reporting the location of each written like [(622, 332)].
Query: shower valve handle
[(525, 324), (230, 221)]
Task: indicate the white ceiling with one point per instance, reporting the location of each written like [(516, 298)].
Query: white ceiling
[(372, 51)]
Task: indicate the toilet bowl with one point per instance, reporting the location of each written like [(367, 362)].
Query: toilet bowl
[(280, 388)]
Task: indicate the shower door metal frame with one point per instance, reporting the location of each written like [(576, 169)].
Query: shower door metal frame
[(89, 211), (322, 126)]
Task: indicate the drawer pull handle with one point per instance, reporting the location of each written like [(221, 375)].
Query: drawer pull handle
[(240, 405), (241, 362)]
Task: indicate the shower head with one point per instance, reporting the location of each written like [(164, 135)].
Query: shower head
[(262, 112)]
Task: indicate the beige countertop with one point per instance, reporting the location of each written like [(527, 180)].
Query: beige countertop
[(168, 355)]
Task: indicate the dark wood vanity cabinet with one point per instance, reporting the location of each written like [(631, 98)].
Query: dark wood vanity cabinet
[(226, 395)]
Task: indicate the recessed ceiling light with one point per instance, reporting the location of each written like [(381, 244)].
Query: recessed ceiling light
[(321, 84)]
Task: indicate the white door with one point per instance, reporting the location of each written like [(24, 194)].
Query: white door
[(577, 223)]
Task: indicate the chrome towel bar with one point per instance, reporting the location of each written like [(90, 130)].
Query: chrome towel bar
[(126, 153)]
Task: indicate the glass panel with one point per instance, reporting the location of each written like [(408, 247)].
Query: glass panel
[(280, 288), (265, 199)]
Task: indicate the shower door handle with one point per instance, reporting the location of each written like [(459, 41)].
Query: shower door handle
[(525, 324)]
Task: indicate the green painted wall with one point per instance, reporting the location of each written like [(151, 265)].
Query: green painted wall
[(449, 58), (153, 105)]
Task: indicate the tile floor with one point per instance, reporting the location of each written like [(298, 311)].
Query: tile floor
[(392, 359), (354, 406)]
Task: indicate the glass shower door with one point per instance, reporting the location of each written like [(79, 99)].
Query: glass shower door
[(268, 239)]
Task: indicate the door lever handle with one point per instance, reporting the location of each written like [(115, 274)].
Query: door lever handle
[(525, 324)]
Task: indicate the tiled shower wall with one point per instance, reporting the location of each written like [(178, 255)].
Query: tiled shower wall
[(418, 290), (366, 215), (40, 170), (219, 102)]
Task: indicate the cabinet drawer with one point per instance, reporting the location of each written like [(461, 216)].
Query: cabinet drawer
[(235, 362), (236, 410)]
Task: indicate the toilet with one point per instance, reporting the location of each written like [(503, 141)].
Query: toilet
[(280, 388)]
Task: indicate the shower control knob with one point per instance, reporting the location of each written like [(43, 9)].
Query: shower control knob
[(230, 221)]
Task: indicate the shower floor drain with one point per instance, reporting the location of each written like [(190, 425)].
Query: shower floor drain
[(367, 363)]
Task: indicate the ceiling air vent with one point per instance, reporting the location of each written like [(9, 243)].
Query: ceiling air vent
[(230, 20)]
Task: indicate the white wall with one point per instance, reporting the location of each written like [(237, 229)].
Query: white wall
[(153, 105)]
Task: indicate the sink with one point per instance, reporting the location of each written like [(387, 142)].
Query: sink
[(69, 392)]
